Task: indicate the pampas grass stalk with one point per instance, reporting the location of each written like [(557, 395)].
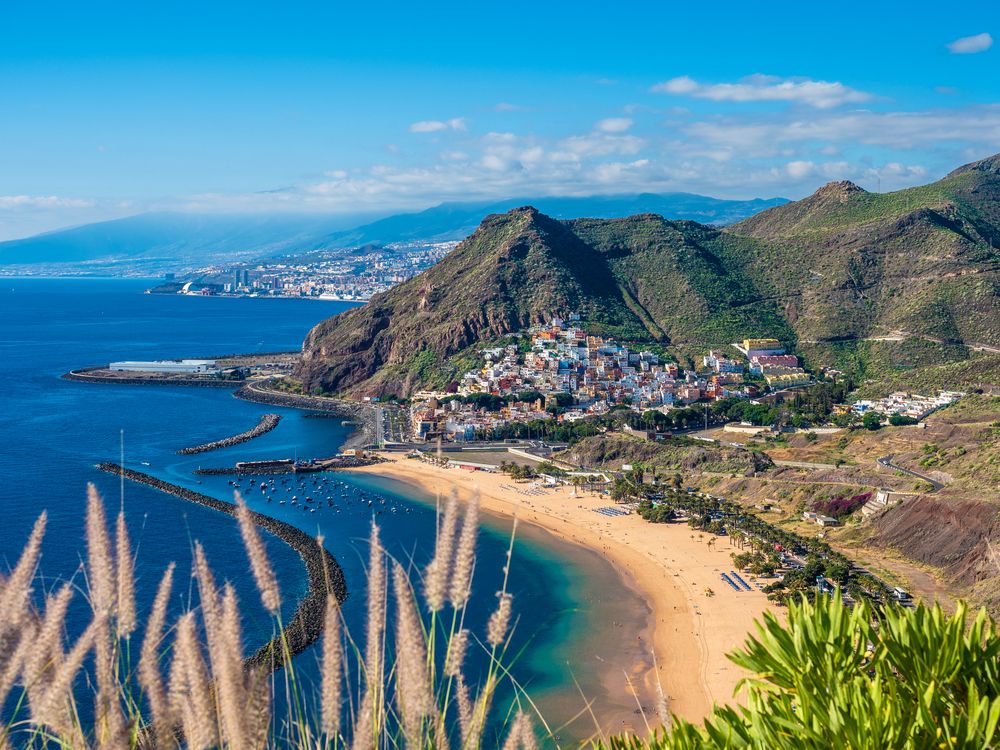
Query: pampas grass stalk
[(413, 690), (125, 579), (42, 660), (211, 697), (100, 564), (150, 676), (227, 668), (369, 721), (438, 571), (333, 667), (190, 695), (263, 573), (496, 629), (465, 555), (17, 588), (53, 708)]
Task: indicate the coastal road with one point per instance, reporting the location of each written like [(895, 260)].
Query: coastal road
[(886, 462)]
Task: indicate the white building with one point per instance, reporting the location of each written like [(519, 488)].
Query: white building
[(183, 366)]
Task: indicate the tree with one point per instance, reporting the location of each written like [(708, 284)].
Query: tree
[(928, 680), (871, 421)]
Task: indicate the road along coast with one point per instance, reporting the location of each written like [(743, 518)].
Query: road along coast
[(696, 619), (324, 573), (267, 423)]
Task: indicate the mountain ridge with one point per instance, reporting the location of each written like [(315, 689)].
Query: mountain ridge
[(175, 239), (839, 268)]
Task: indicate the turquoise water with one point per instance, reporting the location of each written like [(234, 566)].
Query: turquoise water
[(52, 432)]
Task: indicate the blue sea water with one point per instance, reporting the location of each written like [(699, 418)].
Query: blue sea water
[(53, 432)]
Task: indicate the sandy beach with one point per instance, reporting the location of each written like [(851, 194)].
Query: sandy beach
[(671, 565)]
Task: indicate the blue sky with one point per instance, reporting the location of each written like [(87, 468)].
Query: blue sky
[(109, 109)]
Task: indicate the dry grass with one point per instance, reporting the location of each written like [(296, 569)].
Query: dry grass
[(191, 687)]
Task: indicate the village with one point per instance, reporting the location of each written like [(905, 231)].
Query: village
[(562, 370)]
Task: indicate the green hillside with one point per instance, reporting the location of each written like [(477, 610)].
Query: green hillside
[(641, 279), (873, 283)]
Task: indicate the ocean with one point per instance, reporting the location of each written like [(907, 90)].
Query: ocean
[(53, 432)]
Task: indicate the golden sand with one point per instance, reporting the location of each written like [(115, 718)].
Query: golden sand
[(671, 565)]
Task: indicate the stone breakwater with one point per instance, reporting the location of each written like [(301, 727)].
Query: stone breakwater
[(325, 574), (338, 464), (267, 423), (363, 414), (94, 375)]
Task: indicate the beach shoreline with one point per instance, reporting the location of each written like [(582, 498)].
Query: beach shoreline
[(670, 565)]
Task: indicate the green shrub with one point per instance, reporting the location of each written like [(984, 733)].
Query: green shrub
[(839, 677)]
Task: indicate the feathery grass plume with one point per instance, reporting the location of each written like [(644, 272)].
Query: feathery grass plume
[(465, 555), (101, 568), (369, 719), (364, 724), (263, 573), (521, 734), (43, 659), (438, 571), (52, 709), (413, 688), (333, 666), (455, 657), (126, 579), (190, 695), (258, 708), (209, 597), (109, 723), (227, 668), (150, 677), (17, 588), (464, 703), (496, 629), (17, 644), (480, 711)]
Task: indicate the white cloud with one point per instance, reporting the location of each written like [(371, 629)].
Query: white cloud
[(601, 144), (970, 45), (761, 88), (428, 126), (613, 124), (508, 107), (766, 135), (434, 126), (12, 202), (799, 169)]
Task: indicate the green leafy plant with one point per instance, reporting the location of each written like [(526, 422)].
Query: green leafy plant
[(834, 676)]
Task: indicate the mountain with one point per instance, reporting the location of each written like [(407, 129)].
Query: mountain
[(901, 279), (917, 265), (451, 221), (170, 240), (644, 277)]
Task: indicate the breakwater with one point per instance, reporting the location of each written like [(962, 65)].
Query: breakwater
[(324, 573), (363, 414), (267, 423), (101, 374), (276, 467)]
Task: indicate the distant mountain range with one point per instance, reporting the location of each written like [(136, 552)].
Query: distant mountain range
[(164, 240), (172, 240), (452, 221), (863, 281)]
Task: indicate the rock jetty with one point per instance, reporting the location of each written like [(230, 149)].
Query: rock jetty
[(325, 574), (267, 423), (363, 415)]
